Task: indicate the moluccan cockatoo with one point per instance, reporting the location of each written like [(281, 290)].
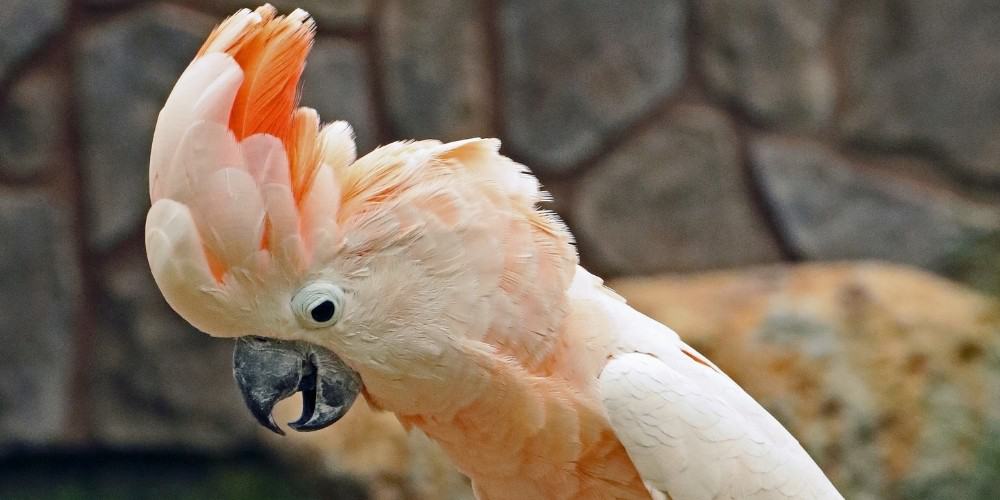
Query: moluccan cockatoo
[(424, 276)]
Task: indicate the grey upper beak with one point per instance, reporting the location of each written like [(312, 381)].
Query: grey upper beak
[(268, 371)]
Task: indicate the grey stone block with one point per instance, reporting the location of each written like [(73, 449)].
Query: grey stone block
[(125, 69), (770, 58), (336, 84), (435, 69), (673, 198), (157, 382), (25, 25), (922, 76), (577, 70), (828, 209), (38, 301)]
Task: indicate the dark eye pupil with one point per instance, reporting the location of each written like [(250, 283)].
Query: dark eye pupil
[(323, 312)]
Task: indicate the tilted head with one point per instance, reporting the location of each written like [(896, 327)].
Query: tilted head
[(265, 225)]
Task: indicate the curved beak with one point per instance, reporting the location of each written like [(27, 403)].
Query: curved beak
[(268, 371)]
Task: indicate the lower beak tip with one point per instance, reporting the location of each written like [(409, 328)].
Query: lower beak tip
[(271, 425)]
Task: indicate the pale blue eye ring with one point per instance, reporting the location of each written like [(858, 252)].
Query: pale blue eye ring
[(318, 305)]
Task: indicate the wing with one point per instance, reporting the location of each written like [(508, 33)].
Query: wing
[(694, 434)]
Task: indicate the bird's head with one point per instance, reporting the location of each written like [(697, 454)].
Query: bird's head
[(327, 268)]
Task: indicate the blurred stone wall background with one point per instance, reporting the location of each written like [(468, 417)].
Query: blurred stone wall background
[(676, 136)]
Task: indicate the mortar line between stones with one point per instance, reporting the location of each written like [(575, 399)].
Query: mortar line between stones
[(494, 64), (740, 122), (616, 138), (692, 39), (377, 93), (758, 196), (834, 51), (34, 181), (80, 424), (966, 183)]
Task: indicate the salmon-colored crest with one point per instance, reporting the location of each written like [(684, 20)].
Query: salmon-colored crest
[(236, 170), (272, 54)]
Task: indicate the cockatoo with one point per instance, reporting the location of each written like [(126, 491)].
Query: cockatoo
[(425, 277)]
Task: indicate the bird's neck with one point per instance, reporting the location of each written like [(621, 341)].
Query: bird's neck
[(530, 436), (521, 318), (527, 425)]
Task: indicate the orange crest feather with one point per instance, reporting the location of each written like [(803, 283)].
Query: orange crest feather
[(272, 54)]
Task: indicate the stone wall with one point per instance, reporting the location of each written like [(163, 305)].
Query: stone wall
[(675, 136)]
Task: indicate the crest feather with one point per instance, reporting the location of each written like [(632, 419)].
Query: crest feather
[(272, 51)]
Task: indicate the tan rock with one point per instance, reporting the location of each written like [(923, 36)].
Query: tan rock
[(888, 376)]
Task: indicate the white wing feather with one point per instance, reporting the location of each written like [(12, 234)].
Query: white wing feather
[(693, 433)]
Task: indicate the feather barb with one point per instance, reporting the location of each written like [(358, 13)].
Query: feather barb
[(272, 51)]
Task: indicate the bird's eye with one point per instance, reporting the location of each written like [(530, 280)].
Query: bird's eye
[(318, 305), (323, 312)]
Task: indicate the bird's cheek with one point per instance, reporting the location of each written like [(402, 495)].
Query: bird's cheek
[(340, 340)]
